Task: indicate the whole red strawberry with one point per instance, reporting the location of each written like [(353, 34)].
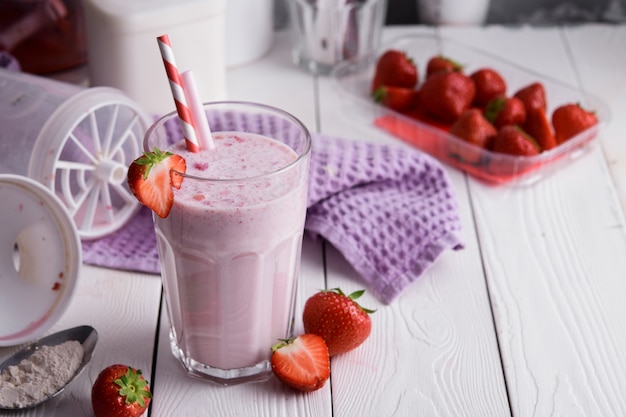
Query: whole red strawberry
[(338, 319), (447, 94), (474, 128), (120, 391), (302, 363), (571, 119), (396, 98), (533, 96), (152, 176), (489, 85), (394, 68), (513, 141), (538, 126), (503, 111), (418, 111), (441, 63)]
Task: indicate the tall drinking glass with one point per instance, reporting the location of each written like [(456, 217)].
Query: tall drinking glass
[(230, 247)]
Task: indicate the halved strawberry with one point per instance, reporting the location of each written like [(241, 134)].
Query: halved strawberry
[(302, 363), (152, 176)]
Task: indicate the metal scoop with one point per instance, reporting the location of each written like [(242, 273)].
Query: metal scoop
[(86, 335)]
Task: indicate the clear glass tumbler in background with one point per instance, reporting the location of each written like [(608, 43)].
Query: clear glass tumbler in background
[(327, 32), (230, 247)]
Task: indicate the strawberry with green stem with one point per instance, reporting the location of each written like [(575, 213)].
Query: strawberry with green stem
[(439, 63), (395, 98), (120, 391), (394, 68), (503, 111), (338, 319), (472, 127), (571, 119), (152, 177), (489, 85), (512, 140), (446, 95)]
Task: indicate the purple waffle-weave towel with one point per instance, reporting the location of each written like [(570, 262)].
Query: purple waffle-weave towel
[(390, 211)]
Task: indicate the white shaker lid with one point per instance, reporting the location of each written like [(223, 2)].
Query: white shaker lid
[(82, 155), (40, 259)]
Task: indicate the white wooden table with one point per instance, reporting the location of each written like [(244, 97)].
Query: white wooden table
[(528, 320)]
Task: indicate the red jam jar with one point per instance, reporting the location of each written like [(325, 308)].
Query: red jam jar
[(45, 36)]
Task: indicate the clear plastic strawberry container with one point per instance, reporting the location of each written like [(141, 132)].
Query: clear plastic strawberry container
[(353, 79)]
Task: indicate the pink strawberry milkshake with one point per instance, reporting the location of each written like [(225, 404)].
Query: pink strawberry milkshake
[(230, 253)]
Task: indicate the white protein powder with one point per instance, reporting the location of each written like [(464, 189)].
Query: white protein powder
[(40, 375)]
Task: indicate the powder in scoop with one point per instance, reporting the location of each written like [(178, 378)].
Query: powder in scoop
[(40, 375)]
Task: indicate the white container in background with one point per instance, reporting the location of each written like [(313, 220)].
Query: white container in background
[(123, 49), (453, 12), (249, 30), (76, 142)]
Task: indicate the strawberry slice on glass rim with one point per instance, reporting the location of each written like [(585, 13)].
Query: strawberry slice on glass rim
[(152, 178)]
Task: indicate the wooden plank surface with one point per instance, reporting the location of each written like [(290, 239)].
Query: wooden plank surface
[(527, 320), (123, 308), (553, 256), (433, 350), (177, 394), (599, 57)]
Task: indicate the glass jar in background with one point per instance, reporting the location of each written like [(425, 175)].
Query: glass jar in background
[(45, 36)]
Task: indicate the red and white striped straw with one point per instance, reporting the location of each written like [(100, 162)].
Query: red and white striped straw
[(176, 85)]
